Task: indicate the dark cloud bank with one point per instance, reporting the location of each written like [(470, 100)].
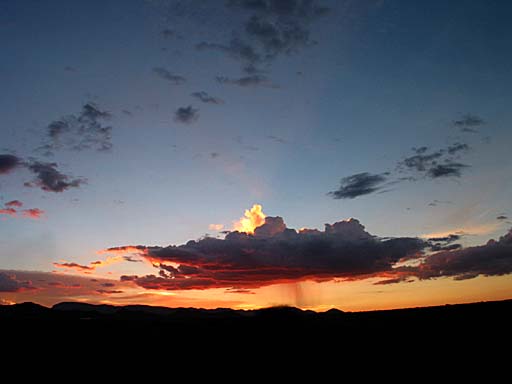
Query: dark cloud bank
[(9, 283), (343, 251)]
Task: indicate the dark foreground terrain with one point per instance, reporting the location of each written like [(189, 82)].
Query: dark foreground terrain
[(488, 322)]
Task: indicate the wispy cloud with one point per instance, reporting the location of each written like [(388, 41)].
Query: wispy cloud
[(85, 130), (169, 76), (469, 123), (206, 98)]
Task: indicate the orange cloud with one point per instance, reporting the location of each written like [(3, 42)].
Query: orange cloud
[(253, 218), (8, 211), (33, 213), (108, 261), (216, 227), (75, 266), (14, 203)]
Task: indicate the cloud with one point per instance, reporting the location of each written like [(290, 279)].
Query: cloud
[(108, 291), (9, 283), (63, 285), (8, 163), (11, 209), (469, 123), (273, 254), (277, 139), (216, 227), (186, 115), (457, 147), (435, 203), (165, 74), (421, 160), (206, 98), (449, 169), (109, 260), (49, 288), (33, 213), (168, 33), (247, 81), (441, 163), (240, 290), (359, 184), (435, 164), (491, 259), (268, 30), (14, 204), (502, 217), (252, 219), (49, 179), (80, 131), (131, 259), (236, 49), (444, 243), (8, 211), (75, 266)]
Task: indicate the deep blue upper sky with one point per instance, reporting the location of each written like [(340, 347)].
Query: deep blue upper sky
[(347, 92)]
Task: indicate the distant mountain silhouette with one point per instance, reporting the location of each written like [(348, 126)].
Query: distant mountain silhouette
[(457, 324)]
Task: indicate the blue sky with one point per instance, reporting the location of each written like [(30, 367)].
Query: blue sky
[(373, 80)]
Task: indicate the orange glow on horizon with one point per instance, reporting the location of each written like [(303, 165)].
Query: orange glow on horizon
[(253, 219)]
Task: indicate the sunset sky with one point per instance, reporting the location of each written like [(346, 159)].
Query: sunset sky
[(250, 153)]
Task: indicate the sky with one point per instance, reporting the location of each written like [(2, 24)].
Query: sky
[(251, 153)]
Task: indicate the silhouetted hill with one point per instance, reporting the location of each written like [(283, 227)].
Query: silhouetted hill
[(454, 324)]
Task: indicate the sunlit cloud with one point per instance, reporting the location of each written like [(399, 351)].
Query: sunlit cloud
[(483, 229), (216, 227), (11, 209), (33, 213), (254, 218)]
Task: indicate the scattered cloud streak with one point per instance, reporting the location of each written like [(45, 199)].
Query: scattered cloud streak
[(247, 81), (169, 76), (448, 169), (86, 130), (359, 184), (206, 98), (74, 266), (469, 123)]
